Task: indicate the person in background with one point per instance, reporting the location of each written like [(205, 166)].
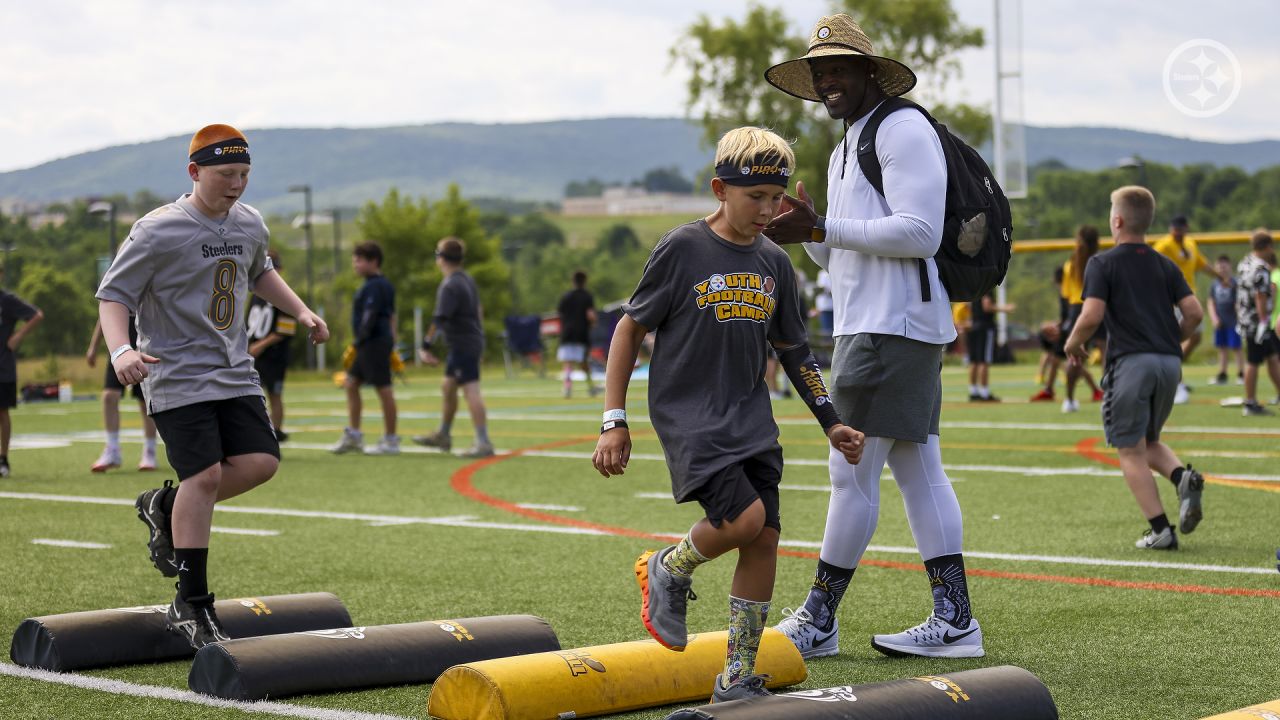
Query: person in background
[(1072, 288), (1133, 290), (577, 311), (1255, 301), (1183, 250), (1222, 312), (981, 339), (373, 323), (13, 310), (112, 391)]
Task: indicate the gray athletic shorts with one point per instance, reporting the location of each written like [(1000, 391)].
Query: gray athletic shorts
[(887, 385), (1138, 397)]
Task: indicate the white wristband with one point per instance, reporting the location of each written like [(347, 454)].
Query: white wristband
[(616, 414), (120, 351)]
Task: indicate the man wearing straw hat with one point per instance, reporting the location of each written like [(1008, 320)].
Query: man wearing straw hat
[(889, 341)]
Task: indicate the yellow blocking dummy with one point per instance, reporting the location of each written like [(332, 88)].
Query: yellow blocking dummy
[(600, 680), (1267, 711)]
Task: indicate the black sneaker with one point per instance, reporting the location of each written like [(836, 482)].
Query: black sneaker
[(150, 507), (1190, 511), (281, 435), (1253, 409), (4, 466), (195, 620), (1221, 379)]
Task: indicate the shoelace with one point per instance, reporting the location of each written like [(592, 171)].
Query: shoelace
[(678, 597), (802, 616), (755, 683), (928, 630)]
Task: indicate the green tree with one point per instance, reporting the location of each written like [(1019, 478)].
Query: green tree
[(618, 240), (69, 311), (727, 61), (532, 230), (666, 179)]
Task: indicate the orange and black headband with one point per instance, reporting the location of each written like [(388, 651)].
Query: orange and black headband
[(223, 152)]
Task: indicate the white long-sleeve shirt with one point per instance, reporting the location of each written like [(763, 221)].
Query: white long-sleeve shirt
[(873, 242)]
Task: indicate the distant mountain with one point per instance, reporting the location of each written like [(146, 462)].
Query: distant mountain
[(528, 161)]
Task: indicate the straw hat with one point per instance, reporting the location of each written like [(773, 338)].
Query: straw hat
[(838, 35)]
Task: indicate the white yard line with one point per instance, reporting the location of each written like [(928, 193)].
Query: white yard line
[(464, 521), (542, 506), (156, 692), (244, 531), (70, 544)]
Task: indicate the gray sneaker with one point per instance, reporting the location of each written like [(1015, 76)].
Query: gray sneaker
[(748, 686), (803, 632), (479, 450), (1189, 512), (388, 445), (352, 441), (435, 440), (664, 597), (1166, 539)]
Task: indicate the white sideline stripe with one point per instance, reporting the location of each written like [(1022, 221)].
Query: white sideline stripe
[(244, 531), (462, 521), (1063, 560), (70, 544), (465, 521), (120, 687), (542, 506)]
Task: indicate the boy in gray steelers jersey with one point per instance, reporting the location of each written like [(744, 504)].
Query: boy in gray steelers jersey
[(716, 293), (186, 272)]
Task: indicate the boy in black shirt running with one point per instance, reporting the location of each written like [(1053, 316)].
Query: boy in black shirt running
[(716, 293), (1133, 290)]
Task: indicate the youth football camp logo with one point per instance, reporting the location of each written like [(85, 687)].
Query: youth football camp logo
[(737, 296)]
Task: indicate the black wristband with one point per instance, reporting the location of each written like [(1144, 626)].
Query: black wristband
[(611, 424), (802, 369)]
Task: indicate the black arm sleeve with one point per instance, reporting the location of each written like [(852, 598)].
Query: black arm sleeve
[(802, 369)]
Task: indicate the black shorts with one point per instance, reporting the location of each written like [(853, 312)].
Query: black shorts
[(1257, 353), (112, 382), (8, 395), (271, 375), (204, 434), (373, 362), (731, 490), (463, 367), (982, 345)]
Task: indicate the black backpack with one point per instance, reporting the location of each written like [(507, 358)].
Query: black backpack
[(977, 227)]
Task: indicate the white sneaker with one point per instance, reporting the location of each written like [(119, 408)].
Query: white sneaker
[(1070, 406), (1181, 395), (352, 441), (148, 461), (388, 445), (809, 640), (1166, 539), (110, 458), (479, 450), (934, 637)]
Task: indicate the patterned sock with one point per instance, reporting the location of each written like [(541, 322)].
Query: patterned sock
[(193, 578), (950, 589), (684, 558), (829, 584), (746, 626), (1175, 477)]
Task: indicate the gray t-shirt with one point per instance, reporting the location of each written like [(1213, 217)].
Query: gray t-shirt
[(714, 306), (188, 277), (457, 313)]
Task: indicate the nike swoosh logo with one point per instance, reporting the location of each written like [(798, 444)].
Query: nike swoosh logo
[(864, 147), (823, 641), (948, 638)]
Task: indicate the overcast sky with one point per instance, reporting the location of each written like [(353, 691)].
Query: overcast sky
[(83, 75)]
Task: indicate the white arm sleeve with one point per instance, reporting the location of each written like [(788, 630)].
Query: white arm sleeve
[(915, 187)]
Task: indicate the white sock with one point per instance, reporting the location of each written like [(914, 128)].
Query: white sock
[(984, 391), (149, 444), (113, 440), (973, 389)]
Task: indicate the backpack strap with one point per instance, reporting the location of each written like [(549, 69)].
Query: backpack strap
[(869, 163)]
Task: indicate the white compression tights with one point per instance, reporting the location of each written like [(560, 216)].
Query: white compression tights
[(932, 509)]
